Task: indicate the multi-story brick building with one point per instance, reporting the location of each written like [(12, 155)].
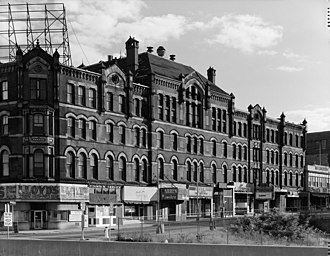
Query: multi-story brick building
[(134, 135), (318, 148)]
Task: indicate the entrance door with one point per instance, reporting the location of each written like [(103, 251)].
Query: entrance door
[(38, 219)]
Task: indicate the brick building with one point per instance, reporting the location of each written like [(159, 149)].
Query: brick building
[(141, 136)]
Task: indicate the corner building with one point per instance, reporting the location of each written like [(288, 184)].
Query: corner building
[(138, 137)]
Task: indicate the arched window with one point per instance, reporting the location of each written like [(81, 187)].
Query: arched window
[(145, 170), (240, 174), (272, 178), (277, 178), (234, 173), (285, 159), (267, 156), (94, 166), (144, 137), (136, 169), (272, 160), (92, 127), (239, 152), (109, 101), (175, 141), (214, 174), (285, 179), (70, 165), (137, 136), (234, 151), (224, 149), (296, 161), (267, 176), (245, 174), (301, 161), (245, 154), (82, 166), (290, 179), (194, 107), (188, 171), (201, 146), (137, 107), (214, 148), (195, 145), (225, 174), (110, 132), (188, 144), (38, 163), (297, 180), (290, 159), (122, 132), (122, 168), (161, 168), (4, 163), (276, 157), (201, 174), (302, 180), (174, 169), (195, 172), (4, 125), (160, 139), (71, 126), (109, 167)]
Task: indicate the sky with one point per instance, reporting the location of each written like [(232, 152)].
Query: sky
[(275, 53)]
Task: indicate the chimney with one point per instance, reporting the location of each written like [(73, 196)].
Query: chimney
[(172, 57), (150, 49), (211, 75), (132, 54), (110, 58), (161, 51)]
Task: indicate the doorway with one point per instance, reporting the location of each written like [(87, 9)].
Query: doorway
[(38, 219)]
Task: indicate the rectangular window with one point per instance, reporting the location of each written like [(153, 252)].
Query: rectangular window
[(160, 106), (38, 124), (122, 134), (137, 107), (175, 142), (82, 127), (92, 127), (109, 101), (167, 108), (161, 140), (121, 103), (224, 121), (71, 126), (38, 88), (173, 110), (70, 93), (214, 119), (4, 124), (81, 96), (92, 98), (4, 90)]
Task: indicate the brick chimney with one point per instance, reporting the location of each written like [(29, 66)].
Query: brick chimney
[(132, 54), (211, 75)]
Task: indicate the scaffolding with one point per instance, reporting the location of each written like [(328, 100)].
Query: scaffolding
[(29, 23)]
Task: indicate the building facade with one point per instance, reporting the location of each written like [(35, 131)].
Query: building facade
[(318, 148), (137, 137)]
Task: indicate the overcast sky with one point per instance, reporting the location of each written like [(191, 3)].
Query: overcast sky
[(275, 53)]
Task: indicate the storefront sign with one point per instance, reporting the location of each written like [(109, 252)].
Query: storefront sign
[(169, 194), (203, 192), (264, 195), (293, 194), (48, 192), (183, 193), (139, 194), (75, 215), (242, 187), (105, 199)]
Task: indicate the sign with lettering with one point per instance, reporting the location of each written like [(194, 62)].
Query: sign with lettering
[(169, 194), (139, 194), (202, 192), (264, 195), (8, 219), (44, 191)]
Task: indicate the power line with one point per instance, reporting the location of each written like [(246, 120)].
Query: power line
[(78, 40)]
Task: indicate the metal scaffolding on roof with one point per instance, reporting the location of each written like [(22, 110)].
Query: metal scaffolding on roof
[(28, 23)]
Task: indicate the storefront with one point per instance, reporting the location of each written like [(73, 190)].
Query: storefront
[(223, 200), (243, 198), (104, 206), (139, 202), (173, 201), (280, 199), (45, 206), (200, 201), (265, 196)]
